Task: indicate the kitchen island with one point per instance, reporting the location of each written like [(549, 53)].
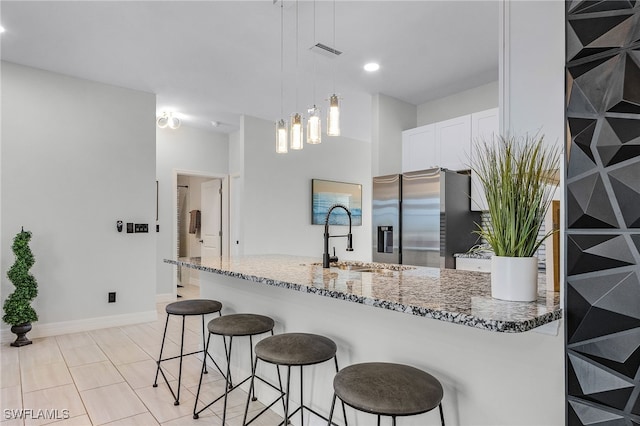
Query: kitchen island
[(494, 365)]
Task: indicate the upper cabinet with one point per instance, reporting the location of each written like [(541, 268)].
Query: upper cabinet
[(419, 149), (445, 144), (484, 125), (450, 144), (453, 137)]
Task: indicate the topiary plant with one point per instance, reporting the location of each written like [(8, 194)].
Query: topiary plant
[(17, 307)]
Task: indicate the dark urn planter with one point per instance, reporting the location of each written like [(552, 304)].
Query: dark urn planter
[(21, 331)]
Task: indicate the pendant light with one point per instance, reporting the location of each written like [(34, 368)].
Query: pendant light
[(281, 126), (281, 137), (314, 126), (333, 115), (314, 123), (297, 132)]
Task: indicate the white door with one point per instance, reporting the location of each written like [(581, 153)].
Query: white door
[(211, 218)]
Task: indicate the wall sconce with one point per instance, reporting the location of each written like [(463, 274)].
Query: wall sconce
[(167, 119)]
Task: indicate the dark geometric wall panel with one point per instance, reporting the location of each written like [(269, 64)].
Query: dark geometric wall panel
[(619, 140), (625, 183), (602, 206), (589, 302), (588, 253), (589, 205)]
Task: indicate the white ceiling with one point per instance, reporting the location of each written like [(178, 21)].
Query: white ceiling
[(216, 60)]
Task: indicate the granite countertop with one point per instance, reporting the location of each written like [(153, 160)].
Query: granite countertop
[(459, 297)]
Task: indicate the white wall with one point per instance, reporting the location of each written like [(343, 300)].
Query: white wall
[(473, 100), (236, 187), (186, 149), (276, 204), (76, 157), (534, 58), (390, 116)]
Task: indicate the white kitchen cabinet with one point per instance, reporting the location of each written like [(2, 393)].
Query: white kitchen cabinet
[(453, 137), (484, 126), (419, 149), (473, 264)]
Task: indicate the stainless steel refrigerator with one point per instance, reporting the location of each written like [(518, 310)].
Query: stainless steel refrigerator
[(422, 218)]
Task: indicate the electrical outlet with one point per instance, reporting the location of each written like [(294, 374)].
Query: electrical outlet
[(112, 297)]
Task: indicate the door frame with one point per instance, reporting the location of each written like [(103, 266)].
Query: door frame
[(225, 212)]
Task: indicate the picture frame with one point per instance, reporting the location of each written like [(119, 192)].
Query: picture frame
[(326, 193)]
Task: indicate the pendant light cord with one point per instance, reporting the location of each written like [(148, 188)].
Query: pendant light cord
[(334, 45), (297, 68), (281, 59), (314, 57)]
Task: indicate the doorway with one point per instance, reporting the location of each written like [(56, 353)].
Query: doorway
[(199, 225)]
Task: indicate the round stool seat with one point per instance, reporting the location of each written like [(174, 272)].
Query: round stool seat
[(194, 307), (388, 389), (296, 349), (240, 325)]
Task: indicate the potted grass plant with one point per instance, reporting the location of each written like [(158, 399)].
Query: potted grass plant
[(518, 176)]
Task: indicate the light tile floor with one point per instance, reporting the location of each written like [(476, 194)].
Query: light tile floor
[(105, 377)]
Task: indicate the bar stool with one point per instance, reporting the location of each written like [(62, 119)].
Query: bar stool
[(290, 350), (186, 308), (233, 325), (387, 389)]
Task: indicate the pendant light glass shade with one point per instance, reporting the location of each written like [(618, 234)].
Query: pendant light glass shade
[(281, 137), (333, 118), (297, 132), (314, 126)]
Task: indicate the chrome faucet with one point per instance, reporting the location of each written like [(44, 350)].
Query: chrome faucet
[(326, 259)]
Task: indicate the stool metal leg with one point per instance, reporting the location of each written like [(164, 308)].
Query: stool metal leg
[(301, 399), (286, 404), (227, 382), (204, 358), (253, 373), (164, 335), (195, 404), (441, 414), (251, 384), (333, 404), (177, 402), (344, 410)]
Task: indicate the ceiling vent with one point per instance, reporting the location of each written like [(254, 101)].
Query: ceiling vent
[(325, 50)]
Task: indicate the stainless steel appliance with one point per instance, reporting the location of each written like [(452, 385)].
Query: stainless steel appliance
[(422, 218)]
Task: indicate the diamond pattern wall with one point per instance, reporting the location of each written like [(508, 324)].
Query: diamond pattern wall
[(602, 187)]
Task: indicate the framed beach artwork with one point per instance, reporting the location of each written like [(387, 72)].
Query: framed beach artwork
[(326, 193)]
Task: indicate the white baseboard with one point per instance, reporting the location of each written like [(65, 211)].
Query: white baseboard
[(78, 326), (165, 297)]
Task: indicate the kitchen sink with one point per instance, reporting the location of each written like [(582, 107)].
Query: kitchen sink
[(376, 268)]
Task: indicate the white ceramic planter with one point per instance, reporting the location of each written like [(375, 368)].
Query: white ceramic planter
[(514, 278)]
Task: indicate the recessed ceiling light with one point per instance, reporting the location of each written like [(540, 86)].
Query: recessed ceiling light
[(371, 67), (2, 29)]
